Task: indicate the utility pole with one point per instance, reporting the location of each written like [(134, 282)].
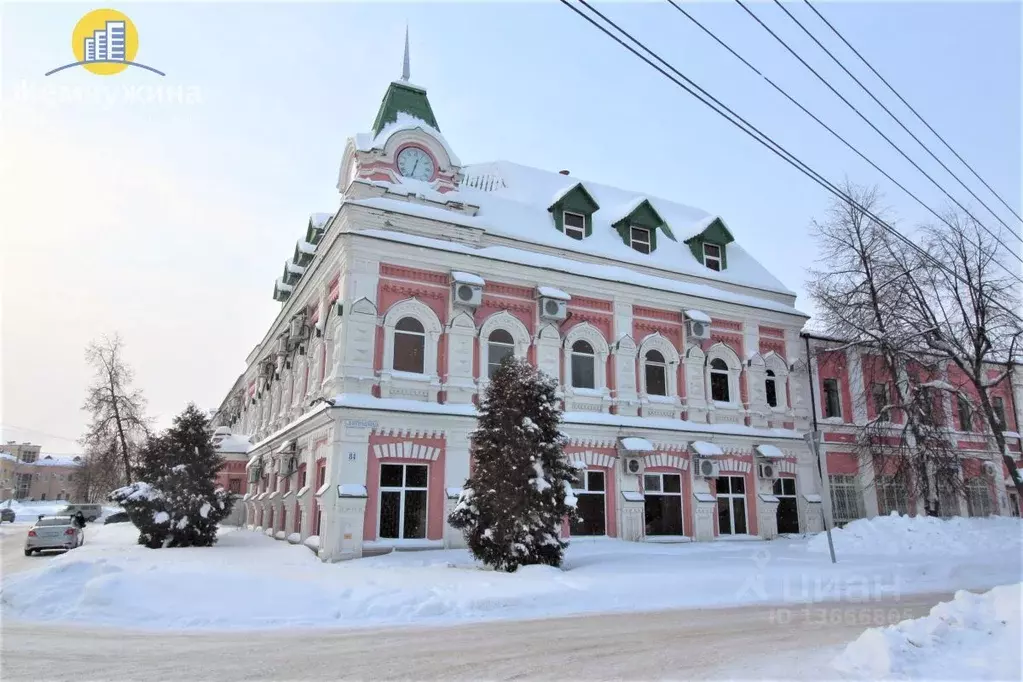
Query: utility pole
[(813, 440)]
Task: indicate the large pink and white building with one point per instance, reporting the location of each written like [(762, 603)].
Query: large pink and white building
[(683, 375)]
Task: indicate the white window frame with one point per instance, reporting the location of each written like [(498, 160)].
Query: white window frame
[(711, 371), (665, 366), (402, 332), (671, 360), (891, 493), (648, 243), (846, 483), (661, 492), (824, 398), (974, 502), (581, 231), (779, 483), (732, 497), (402, 489), (582, 476), (708, 257), (510, 345), (505, 321)]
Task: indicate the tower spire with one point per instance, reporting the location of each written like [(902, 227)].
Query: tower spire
[(405, 64)]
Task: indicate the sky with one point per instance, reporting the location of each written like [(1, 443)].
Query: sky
[(163, 208)]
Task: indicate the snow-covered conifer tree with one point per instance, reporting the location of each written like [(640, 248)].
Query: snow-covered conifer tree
[(175, 502), (513, 504)]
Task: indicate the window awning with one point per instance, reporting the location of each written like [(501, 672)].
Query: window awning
[(698, 316), (767, 497), (632, 496), (352, 490), (553, 292), (285, 446), (636, 444), (705, 449), (323, 488), (704, 497), (770, 451), (812, 497), (303, 491)]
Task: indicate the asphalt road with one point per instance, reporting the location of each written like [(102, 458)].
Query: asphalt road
[(750, 643)]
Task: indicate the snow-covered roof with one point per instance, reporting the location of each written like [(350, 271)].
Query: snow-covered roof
[(637, 444), (610, 273), (58, 461), (365, 142), (553, 292), (319, 220), (517, 207), (235, 443), (8, 456), (705, 449), (698, 316), (467, 278), (770, 451)]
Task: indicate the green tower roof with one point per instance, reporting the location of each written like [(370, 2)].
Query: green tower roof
[(404, 97)]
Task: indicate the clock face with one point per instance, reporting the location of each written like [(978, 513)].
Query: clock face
[(415, 163)]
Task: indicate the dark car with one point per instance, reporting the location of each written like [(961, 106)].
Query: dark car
[(6, 514), (117, 517)]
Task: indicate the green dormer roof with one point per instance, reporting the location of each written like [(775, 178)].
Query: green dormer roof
[(716, 232), (402, 96)]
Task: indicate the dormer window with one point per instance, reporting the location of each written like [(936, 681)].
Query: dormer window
[(575, 225), (712, 256), (639, 239)]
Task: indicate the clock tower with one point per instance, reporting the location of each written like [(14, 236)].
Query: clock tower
[(405, 146)]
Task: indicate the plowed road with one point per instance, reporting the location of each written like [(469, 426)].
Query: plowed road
[(750, 642)]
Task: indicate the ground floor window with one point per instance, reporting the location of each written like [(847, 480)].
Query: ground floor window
[(1013, 503), (234, 486), (591, 511), (891, 495), (978, 497), (845, 499), (284, 519), (298, 518), (731, 494), (948, 500), (788, 510), (663, 504), (403, 501)]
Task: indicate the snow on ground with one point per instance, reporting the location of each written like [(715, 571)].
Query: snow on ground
[(972, 637), (901, 536), (250, 581)]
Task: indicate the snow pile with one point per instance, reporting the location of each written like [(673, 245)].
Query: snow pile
[(113, 581), (972, 637), (923, 536)]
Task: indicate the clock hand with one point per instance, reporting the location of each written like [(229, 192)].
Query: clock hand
[(414, 166)]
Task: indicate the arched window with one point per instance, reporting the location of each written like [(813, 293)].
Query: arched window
[(409, 345), (719, 381), (771, 389), (656, 372), (500, 346), (584, 362)]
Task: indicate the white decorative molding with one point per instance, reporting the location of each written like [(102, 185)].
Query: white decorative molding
[(591, 458), (669, 461), (401, 432), (406, 450), (734, 466)]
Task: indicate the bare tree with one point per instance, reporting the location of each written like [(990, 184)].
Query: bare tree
[(970, 309), (862, 293), (118, 410)]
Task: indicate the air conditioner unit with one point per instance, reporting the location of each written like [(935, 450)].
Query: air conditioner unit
[(553, 309), (697, 329), (705, 468), (633, 465), (989, 468), (467, 294), (766, 471)]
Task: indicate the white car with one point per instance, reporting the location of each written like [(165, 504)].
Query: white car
[(54, 532)]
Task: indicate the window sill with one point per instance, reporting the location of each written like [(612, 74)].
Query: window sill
[(591, 392), (663, 399), (723, 405), (399, 545), (411, 376)]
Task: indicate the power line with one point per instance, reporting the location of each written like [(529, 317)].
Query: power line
[(910, 107), (742, 124), (37, 432), (824, 125), (877, 130), (896, 118)]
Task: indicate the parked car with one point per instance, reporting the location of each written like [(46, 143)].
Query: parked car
[(117, 517), (6, 514), (91, 512), (54, 532)]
